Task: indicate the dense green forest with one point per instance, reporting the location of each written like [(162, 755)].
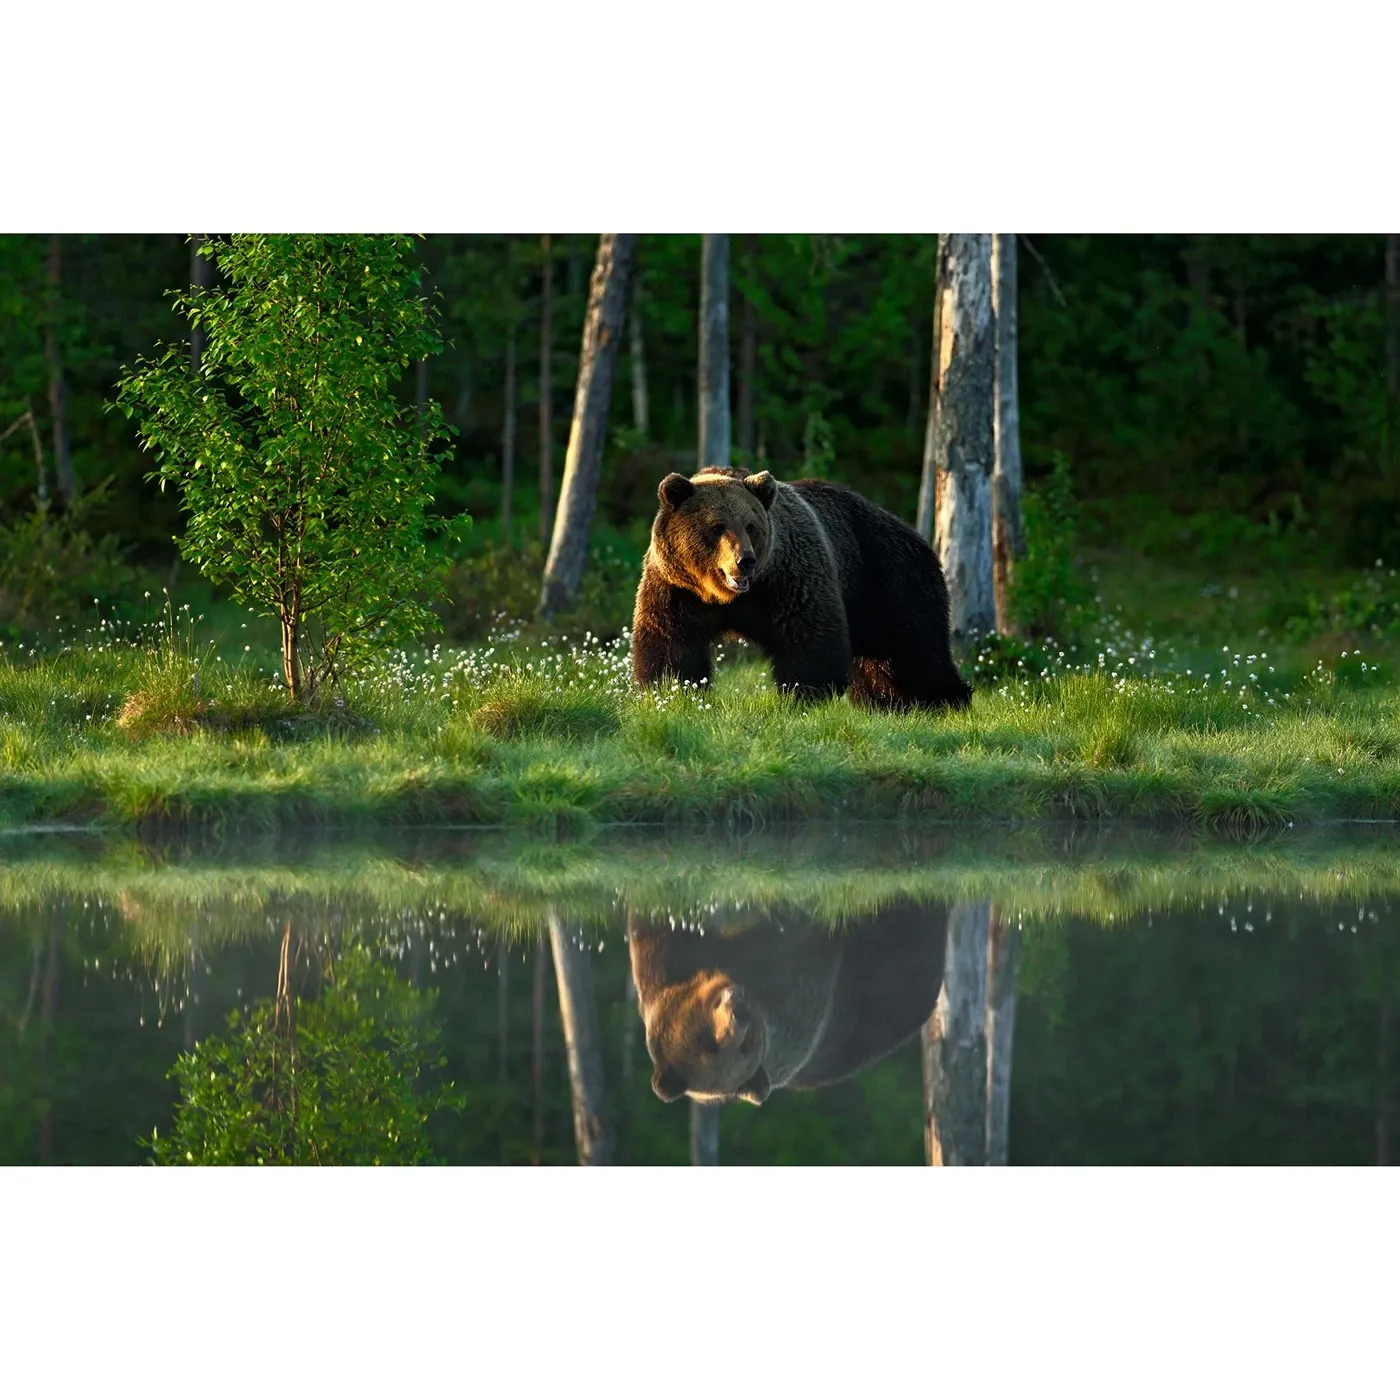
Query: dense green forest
[(1208, 391)]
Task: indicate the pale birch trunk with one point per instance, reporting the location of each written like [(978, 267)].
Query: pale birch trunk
[(64, 479), (578, 494), (955, 495), (201, 276), (954, 1042), (1008, 543), (704, 1134), (637, 362), (714, 352), (578, 1010), (508, 434), (1003, 959), (748, 357), (546, 391)]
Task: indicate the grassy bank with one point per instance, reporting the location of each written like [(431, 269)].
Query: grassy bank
[(491, 885), (551, 736)]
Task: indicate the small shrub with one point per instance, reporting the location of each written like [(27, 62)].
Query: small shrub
[(51, 564), (338, 1080), (1048, 594)]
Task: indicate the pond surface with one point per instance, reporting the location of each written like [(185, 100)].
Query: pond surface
[(804, 996)]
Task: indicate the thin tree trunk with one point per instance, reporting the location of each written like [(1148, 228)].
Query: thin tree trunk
[(194, 985), (503, 1031), (546, 392), (955, 494), (748, 356), (954, 1044), (704, 1134), (578, 1010), (641, 406), (1383, 1088), (916, 364), (1392, 345), (1008, 543), (508, 434), (713, 396), (630, 1019), (64, 479), (502, 1009), (537, 1009), (41, 477), (201, 276), (291, 662), (48, 1013), (1003, 959), (578, 495)]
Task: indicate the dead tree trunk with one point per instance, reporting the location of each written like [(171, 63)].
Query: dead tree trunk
[(704, 1134), (578, 1009), (1008, 544), (955, 1047), (578, 495), (637, 357), (714, 352), (546, 392), (508, 434), (955, 494), (748, 356), (64, 479), (41, 476), (201, 276), (1003, 958)]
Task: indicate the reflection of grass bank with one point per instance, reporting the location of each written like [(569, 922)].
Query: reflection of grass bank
[(490, 885), (556, 740)]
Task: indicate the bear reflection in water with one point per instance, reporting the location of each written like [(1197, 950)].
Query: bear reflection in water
[(769, 1001)]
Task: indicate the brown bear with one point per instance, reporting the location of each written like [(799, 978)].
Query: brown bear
[(757, 1005), (839, 594)]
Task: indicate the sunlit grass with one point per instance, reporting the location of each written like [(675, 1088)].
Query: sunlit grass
[(153, 729)]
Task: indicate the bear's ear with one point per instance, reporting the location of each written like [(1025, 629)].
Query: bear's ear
[(756, 1088), (764, 485), (666, 1084), (675, 489)]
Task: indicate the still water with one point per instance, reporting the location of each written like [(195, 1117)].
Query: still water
[(804, 996)]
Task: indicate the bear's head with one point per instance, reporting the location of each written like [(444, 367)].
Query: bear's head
[(713, 534), (705, 1040)]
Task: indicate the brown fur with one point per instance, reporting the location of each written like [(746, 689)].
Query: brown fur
[(839, 594), (768, 1004)]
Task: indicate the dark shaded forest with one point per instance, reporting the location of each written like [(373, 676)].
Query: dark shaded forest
[(1208, 391)]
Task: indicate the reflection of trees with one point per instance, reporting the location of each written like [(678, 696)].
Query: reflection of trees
[(704, 1134), (967, 1042), (335, 1078), (955, 1046), (578, 1008), (1004, 957)]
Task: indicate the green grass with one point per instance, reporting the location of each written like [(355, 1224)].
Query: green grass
[(504, 886), (552, 737)]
